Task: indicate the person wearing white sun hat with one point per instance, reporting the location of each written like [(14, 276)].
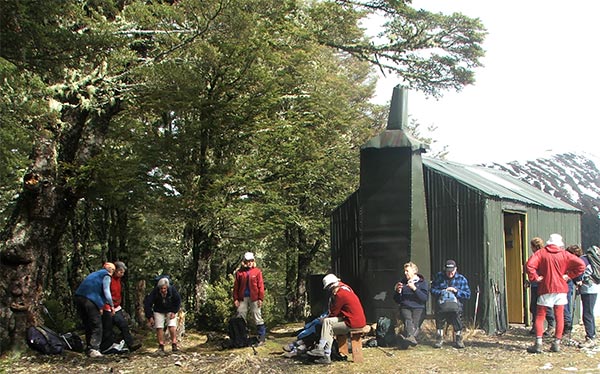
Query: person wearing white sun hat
[(249, 293)]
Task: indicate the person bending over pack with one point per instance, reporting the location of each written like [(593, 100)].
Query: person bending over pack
[(345, 313), (90, 297), (452, 287), (118, 319), (249, 293), (551, 266), (411, 294), (161, 307)]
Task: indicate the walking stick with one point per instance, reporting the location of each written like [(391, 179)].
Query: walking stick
[(476, 307)]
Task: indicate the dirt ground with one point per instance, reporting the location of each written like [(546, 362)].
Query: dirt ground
[(203, 353)]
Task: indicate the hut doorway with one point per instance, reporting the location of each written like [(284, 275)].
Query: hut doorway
[(513, 255)]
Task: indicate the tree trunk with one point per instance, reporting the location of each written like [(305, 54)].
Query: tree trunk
[(43, 210), (297, 300), (28, 240)]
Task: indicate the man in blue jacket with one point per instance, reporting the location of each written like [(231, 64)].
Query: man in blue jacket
[(450, 282), (90, 297)]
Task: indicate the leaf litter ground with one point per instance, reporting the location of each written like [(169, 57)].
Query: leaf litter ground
[(202, 352)]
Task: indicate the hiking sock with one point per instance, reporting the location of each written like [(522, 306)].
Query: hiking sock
[(538, 340)]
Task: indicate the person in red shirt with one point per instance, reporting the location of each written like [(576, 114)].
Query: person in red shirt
[(552, 267), (118, 318), (249, 293), (345, 313)]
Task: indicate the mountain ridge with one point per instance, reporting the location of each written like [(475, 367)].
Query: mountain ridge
[(572, 177)]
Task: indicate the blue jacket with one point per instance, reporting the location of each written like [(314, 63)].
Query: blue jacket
[(92, 288), (154, 302), (441, 282), (410, 299)]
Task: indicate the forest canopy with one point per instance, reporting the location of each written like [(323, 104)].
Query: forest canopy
[(177, 135)]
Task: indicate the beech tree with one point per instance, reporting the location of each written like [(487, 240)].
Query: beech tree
[(258, 105)]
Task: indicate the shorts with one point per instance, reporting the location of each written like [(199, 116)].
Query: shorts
[(552, 299), (161, 318)]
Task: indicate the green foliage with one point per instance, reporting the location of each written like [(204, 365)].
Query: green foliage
[(58, 317), (238, 126), (218, 307)]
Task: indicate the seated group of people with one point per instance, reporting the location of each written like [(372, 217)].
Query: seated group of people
[(411, 293)]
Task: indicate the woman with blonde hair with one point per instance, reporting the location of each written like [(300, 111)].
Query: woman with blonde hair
[(411, 294)]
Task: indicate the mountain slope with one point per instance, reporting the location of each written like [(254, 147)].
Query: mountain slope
[(571, 177)]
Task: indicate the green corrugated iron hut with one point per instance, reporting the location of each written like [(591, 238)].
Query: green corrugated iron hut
[(414, 208)]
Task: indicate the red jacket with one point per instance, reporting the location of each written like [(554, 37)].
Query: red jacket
[(552, 263), (257, 287), (346, 304), (115, 292)]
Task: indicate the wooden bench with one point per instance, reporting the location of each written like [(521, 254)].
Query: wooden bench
[(356, 339)]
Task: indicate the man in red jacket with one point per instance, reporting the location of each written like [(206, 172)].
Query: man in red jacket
[(345, 313), (552, 267), (249, 293)]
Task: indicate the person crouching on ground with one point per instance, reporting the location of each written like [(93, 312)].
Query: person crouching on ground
[(457, 285), (411, 294), (161, 307), (551, 266), (345, 313)]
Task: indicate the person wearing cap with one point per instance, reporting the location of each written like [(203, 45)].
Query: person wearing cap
[(450, 280), (551, 267), (411, 294), (90, 297), (118, 319), (249, 293), (345, 313)]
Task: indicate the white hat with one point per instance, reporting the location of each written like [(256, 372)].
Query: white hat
[(557, 240), (248, 256), (330, 280)]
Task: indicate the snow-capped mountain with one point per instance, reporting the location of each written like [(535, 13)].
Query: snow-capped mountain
[(571, 177)]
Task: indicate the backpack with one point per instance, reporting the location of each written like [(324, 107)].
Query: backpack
[(72, 342), (384, 332), (238, 333), (594, 259), (44, 340), (447, 302)]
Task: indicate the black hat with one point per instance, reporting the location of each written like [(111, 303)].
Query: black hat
[(450, 265)]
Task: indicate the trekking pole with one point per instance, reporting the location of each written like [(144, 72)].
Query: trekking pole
[(476, 307), (389, 354)]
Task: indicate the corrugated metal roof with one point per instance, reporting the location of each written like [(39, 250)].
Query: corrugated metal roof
[(495, 183)]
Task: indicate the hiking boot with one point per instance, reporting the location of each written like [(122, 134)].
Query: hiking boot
[(290, 354), (458, 342), (439, 342), (288, 347), (589, 343), (94, 353), (536, 348), (174, 347), (161, 349), (317, 352), (325, 360), (411, 341), (135, 346), (555, 346)]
